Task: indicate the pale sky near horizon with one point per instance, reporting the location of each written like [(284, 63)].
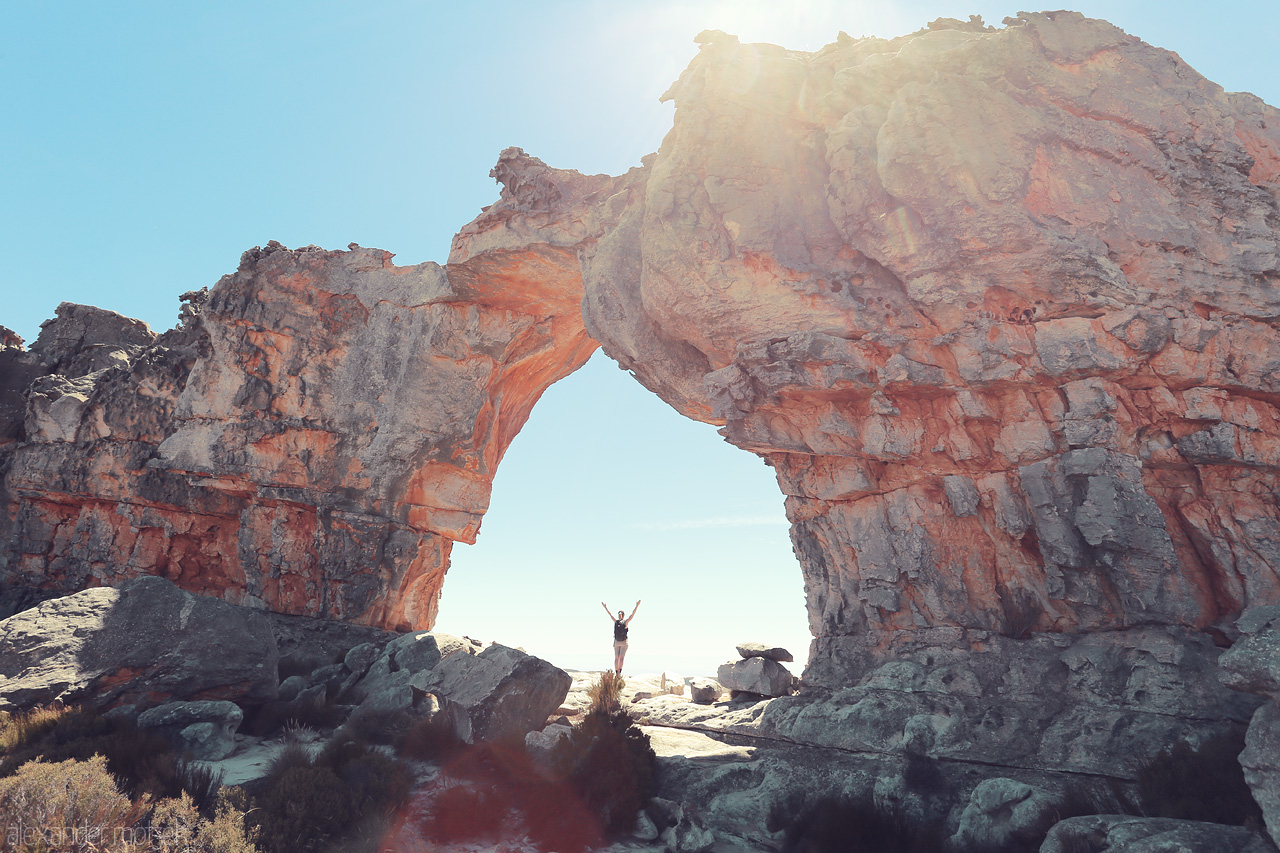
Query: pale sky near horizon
[(147, 144)]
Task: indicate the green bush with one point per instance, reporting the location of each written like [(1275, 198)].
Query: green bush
[(608, 761), (311, 804), (303, 810), (430, 739), (1205, 784)]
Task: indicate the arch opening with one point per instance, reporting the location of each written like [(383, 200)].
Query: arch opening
[(609, 494)]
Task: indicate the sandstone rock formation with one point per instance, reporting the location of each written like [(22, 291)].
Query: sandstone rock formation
[(998, 306), (313, 439)]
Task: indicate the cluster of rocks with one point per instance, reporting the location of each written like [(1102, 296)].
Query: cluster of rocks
[(759, 671), (190, 667)]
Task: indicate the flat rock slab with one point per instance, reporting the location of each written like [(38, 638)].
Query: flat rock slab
[(684, 743), (760, 650), (146, 642), (1124, 834)]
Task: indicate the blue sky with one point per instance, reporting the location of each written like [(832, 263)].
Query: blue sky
[(147, 144)]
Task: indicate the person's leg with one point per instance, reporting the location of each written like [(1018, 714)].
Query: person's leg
[(619, 655)]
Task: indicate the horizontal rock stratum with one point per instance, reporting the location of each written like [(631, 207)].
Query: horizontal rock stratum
[(999, 307)]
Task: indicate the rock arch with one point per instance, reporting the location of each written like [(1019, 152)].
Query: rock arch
[(998, 306)]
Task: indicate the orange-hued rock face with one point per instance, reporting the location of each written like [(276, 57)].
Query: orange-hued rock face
[(999, 307), (314, 441)]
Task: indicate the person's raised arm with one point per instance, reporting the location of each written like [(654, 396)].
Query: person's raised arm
[(607, 610), (633, 613)]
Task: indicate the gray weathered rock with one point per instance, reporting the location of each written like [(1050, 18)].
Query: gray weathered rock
[(541, 746), (291, 687), (755, 675), (760, 650), (1261, 763), (1253, 665), (205, 741), (358, 659), (704, 691), (645, 829), (146, 642), (206, 729), (1000, 812), (385, 683), (498, 693), (688, 836), (1125, 834)]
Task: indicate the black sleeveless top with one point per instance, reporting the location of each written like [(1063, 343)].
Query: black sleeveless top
[(619, 630)]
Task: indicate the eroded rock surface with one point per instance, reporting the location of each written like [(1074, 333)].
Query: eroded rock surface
[(999, 307), (145, 643), (313, 439)]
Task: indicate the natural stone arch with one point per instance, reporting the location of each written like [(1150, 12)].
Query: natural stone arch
[(997, 403)]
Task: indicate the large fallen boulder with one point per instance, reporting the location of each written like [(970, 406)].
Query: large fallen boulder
[(144, 643), (501, 692), (755, 675)]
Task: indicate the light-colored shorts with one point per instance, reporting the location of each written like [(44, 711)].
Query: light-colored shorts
[(619, 644)]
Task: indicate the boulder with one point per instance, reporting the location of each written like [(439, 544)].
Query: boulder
[(386, 682), (501, 692), (704, 691), (645, 829), (1125, 834), (146, 642), (291, 687), (206, 729), (358, 659), (1252, 665), (541, 746), (1260, 760), (755, 675), (760, 650), (1000, 813)]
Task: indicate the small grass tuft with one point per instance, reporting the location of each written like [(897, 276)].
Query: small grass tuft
[(605, 692)]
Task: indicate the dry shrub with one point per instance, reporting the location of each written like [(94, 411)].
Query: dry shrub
[(142, 761), (68, 806), (605, 692), (178, 827), (460, 812), (492, 790)]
